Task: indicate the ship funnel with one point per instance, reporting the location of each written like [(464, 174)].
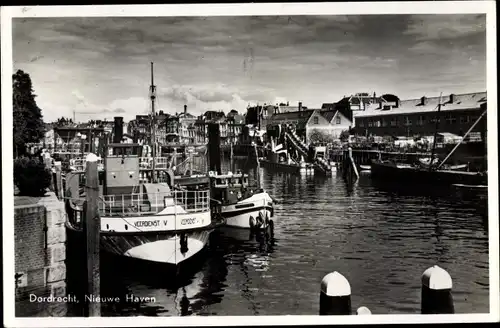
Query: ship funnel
[(214, 154), (118, 130)]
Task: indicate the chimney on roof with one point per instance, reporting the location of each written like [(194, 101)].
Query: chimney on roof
[(423, 101), (287, 103), (185, 109), (300, 106), (374, 97), (452, 98)]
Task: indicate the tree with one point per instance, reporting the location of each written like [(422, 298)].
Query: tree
[(319, 137), (31, 177), (344, 135), (27, 116)]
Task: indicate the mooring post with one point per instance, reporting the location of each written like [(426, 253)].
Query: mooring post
[(335, 295), (92, 227), (231, 156), (214, 154), (436, 291), (363, 310), (354, 169), (59, 187)]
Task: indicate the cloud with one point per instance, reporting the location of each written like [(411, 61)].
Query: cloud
[(445, 27), (101, 65), (79, 97)]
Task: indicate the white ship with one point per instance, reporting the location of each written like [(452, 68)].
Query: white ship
[(241, 205), (143, 215), (148, 221)]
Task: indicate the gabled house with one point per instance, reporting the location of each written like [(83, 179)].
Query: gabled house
[(348, 105), (235, 124)]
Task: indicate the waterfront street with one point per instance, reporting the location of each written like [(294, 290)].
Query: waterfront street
[(381, 241)]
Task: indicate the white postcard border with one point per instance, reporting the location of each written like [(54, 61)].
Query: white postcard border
[(424, 7)]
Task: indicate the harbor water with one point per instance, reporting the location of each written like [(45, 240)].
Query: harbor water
[(380, 238)]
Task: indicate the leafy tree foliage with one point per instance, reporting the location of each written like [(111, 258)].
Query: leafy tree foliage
[(27, 116), (319, 137), (31, 177), (344, 135)]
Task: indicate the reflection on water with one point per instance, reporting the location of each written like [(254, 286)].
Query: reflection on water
[(380, 237)]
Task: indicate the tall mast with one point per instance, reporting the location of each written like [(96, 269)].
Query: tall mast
[(438, 119), (153, 127)]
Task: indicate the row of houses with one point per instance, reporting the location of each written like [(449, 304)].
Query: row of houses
[(361, 114), (369, 115), (185, 128)]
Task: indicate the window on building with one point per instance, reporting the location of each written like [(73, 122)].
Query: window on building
[(362, 123), (433, 120), (370, 123), (451, 119), (394, 121), (338, 119), (316, 120), (421, 120), (384, 122), (464, 119), (407, 120)]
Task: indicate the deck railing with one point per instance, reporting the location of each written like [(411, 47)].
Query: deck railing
[(134, 204), (161, 163), (142, 204), (79, 164)]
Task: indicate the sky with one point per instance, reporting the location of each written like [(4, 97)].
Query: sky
[(100, 66)]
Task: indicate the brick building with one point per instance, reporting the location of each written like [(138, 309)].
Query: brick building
[(235, 124), (417, 117), (181, 128)]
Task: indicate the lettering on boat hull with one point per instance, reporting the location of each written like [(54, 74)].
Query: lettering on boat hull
[(158, 223)]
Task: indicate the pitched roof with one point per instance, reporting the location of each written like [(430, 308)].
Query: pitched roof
[(302, 117), (460, 102), (328, 106), (237, 119), (328, 114)]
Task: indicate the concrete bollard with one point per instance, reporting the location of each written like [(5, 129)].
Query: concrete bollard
[(335, 296), (363, 310), (436, 291)]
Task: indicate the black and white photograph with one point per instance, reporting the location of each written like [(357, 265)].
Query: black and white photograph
[(283, 163)]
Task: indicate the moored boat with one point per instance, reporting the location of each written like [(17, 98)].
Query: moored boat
[(241, 205), (143, 214), (431, 171), (149, 221), (408, 173)]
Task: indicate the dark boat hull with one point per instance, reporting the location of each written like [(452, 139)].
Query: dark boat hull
[(392, 173)]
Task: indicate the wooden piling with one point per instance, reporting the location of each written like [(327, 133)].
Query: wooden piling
[(214, 154), (436, 292), (91, 230), (58, 182), (231, 157), (335, 295), (352, 163), (258, 164)]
